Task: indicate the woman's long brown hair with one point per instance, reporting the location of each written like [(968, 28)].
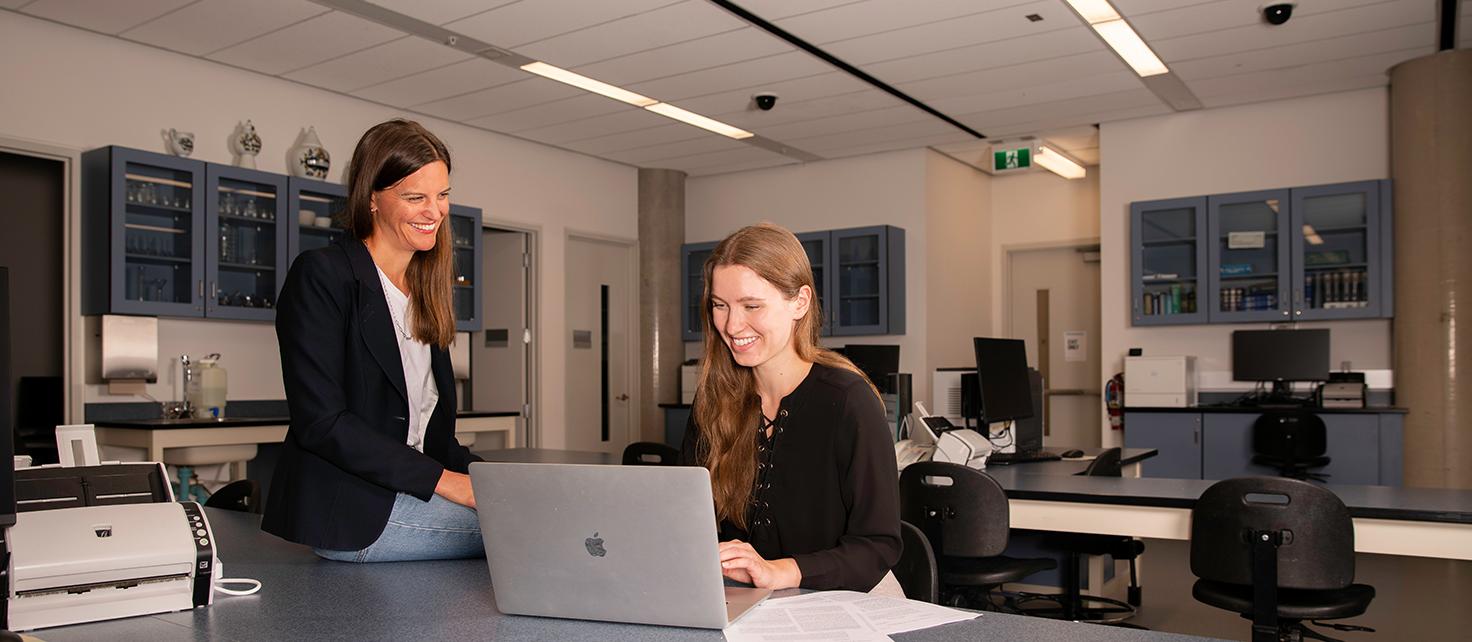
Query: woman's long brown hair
[(385, 155), (726, 401)]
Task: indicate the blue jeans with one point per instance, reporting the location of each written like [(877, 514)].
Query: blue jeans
[(438, 529)]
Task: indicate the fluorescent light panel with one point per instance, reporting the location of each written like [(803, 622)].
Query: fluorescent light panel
[(1094, 11), (588, 84), (692, 118), (1059, 164), (1129, 46)]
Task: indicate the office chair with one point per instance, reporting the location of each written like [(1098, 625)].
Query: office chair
[(1073, 604), (38, 411), (649, 453), (964, 515), (1278, 551), (1292, 441), (243, 495), (916, 569)]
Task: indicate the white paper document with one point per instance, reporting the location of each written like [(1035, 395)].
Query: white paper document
[(838, 616)]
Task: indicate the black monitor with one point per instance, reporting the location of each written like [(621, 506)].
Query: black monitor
[(1280, 356), (7, 414), (1001, 373), (876, 361)]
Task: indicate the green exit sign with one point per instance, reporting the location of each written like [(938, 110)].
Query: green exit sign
[(1007, 159)]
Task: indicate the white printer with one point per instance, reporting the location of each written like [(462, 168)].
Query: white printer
[(1159, 382), (963, 446)]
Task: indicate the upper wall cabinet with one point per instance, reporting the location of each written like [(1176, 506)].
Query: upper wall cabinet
[(465, 238), (143, 237), (1321, 252), (317, 209), (245, 214), (859, 274)]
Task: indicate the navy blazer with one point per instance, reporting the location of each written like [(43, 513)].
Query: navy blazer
[(346, 454)]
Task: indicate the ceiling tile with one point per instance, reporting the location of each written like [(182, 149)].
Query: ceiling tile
[(1091, 85), (1304, 53), (1253, 84), (1086, 110), (532, 90), (438, 84), (809, 111), (1220, 15), (519, 23), (1300, 29), (106, 17), (439, 12), (653, 154), (14, 4), (211, 25), (1308, 87), (928, 127), (638, 32), (687, 57), (306, 43), (1078, 66), (902, 114), (989, 26), (990, 55), (626, 120), (560, 111), (775, 161), (754, 74), (864, 18), (667, 132), (873, 147), (793, 96), (403, 57), (743, 154), (772, 10)]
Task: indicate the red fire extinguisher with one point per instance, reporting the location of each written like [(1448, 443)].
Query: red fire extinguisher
[(1114, 400)]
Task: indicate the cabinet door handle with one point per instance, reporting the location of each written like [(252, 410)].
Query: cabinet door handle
[(201, 288), (1195, 437)]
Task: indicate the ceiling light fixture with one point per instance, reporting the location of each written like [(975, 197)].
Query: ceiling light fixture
[(588, 84), (1054, 161), (692, 118), (1120, 36)]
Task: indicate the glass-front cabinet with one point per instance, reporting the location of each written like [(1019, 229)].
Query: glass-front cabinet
[(692, 283), (142, 244), (315, 210), (1250, 276), (1337, 248), (1165, 239), (815, 245), (465, 239), (245, 216)]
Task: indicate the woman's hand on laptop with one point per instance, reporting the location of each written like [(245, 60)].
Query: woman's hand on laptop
[(741, 562), (456, 488)]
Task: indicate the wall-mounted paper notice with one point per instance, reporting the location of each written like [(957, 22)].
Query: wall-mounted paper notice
[(1075, 345), (1246, 240)]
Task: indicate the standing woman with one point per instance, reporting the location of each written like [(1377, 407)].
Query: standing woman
[(370, 470), (801, 459)]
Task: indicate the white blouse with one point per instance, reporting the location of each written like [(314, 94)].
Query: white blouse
[(418, 380)]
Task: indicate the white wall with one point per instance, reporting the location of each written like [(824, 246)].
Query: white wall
[(76, 89), (959, 261), (1036, 210), (1320, 139)]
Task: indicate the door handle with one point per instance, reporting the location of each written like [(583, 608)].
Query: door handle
[(623, 397)]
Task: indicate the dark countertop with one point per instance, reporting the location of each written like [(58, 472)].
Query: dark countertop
[(243, 422), (304, 597), (1256, 409)]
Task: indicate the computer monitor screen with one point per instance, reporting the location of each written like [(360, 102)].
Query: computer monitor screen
[(1280, 355), (877, 362), (1001, 373)]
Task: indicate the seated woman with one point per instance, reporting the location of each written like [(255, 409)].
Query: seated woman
[(801, 459), (370, 470)]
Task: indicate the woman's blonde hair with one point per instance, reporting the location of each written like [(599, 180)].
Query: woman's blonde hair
[(727, 406), (386, 154)]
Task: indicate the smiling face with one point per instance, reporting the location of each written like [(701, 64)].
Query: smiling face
[(408, 214), (754, 318)]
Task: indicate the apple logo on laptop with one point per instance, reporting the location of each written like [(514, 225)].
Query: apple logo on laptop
[(595, 546)]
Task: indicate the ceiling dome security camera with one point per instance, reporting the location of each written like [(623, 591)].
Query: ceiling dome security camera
[(1277, 13), (765, 101)]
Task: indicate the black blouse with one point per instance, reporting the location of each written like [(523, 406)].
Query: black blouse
[(827, 491)]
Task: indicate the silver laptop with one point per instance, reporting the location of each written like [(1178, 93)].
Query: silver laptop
[(613, 543)]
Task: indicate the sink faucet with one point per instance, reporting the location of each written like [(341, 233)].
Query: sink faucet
[(181, 409)]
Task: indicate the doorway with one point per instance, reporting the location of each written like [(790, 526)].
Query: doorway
[(602, 401), (1053, 303), (501, 354)]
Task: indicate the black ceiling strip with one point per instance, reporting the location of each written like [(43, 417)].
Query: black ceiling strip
[(804, 45), (1448, 26)]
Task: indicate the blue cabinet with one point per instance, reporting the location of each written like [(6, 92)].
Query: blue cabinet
[(859, 274), (465, 239), (1168, 258), (317, 210), (1337, 242), (246, 245), (1176, 435), (1249, 278), (143, 237)]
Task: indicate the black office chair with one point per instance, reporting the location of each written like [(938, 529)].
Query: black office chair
[(1292, 441), (243, 495), (964, 515), (916, 569), (39, 409), (1278, 551), (649, 453), (1073, 604)]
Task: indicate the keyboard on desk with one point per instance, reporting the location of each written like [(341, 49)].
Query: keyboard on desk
[(1023, 457)]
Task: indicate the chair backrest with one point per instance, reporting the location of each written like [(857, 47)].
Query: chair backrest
[(1289, 435), (916, 569), (243, 495), (963, 511), (1105, 464), (649, 453), (1317, 551)]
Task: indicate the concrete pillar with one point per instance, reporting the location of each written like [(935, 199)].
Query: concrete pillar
[(1431, 166), (661, 232)]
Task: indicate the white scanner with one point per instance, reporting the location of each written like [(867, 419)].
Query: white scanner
[(89, 563), (964, 446)]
